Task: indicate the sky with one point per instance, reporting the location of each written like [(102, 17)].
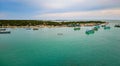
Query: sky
[(60, 9)]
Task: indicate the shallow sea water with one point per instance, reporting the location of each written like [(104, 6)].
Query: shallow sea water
[(44, 47)]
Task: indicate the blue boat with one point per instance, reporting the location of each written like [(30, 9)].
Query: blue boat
[(95, 29), (90, 32), (5, 32), (97, 26), (107, 27), (77, 28), (103, 25), (28, 28)]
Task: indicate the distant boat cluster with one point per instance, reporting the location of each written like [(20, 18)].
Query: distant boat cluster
[(76, 27), (96, 28)]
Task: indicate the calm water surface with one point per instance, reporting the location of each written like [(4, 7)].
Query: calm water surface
[(44, 47)]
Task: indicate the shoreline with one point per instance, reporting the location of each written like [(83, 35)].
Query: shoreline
[(48, 24)]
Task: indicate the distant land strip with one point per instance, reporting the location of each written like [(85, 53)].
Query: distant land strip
[(8, 23)]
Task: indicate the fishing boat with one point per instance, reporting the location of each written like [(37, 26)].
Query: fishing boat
[(97, 26), (103, 25), (28, 28), (117, 25), (59, 33), (77, 28), (35, 29), (5, 32), (95, 29), (90, 32), (107, 27), (2, 29)]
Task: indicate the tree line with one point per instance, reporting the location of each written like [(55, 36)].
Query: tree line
[(40, 22)]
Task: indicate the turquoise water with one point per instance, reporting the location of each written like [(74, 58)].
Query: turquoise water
[(44, 47)]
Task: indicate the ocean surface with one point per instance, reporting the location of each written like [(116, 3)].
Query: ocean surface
[(45, 47)]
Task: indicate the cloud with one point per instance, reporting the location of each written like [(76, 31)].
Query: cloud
[(99, 14), (60, 4), (69, 4), (61, 8)]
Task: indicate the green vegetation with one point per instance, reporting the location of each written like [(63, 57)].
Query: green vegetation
[(40, 22)]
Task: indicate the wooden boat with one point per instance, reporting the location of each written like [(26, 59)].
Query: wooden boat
[(28, 28), (35, 29), (90, 32), (117, 25), (95, 29), (5, 32), (103, 25), (107, 27), (97, 26), (59, 33), (2, 29), (76, 28)]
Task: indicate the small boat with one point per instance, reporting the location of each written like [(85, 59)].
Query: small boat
[(95, 29), (5, 32), (107, 27), (59, 33), (35, 29), (76, 28), (90, 32), (28, 28), (2, 29), (117, 25), (103, 25), (97, 26)]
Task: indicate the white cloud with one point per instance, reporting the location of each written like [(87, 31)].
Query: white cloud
[(59, 4), (62, 4), (69, 8), (51, 4), (100, 14)]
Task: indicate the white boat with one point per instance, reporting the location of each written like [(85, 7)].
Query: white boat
[(5, 32), (2, 29)]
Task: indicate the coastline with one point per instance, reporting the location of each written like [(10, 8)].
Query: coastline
[(48, 24)]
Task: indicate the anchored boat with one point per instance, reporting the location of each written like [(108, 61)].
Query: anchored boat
[(95, 29), (77, 28), (117, 26), (59, 33), (90, 32), (107, 27), (35, 29), (97, 26), (28, 28), (3, 31), (103, 25)]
